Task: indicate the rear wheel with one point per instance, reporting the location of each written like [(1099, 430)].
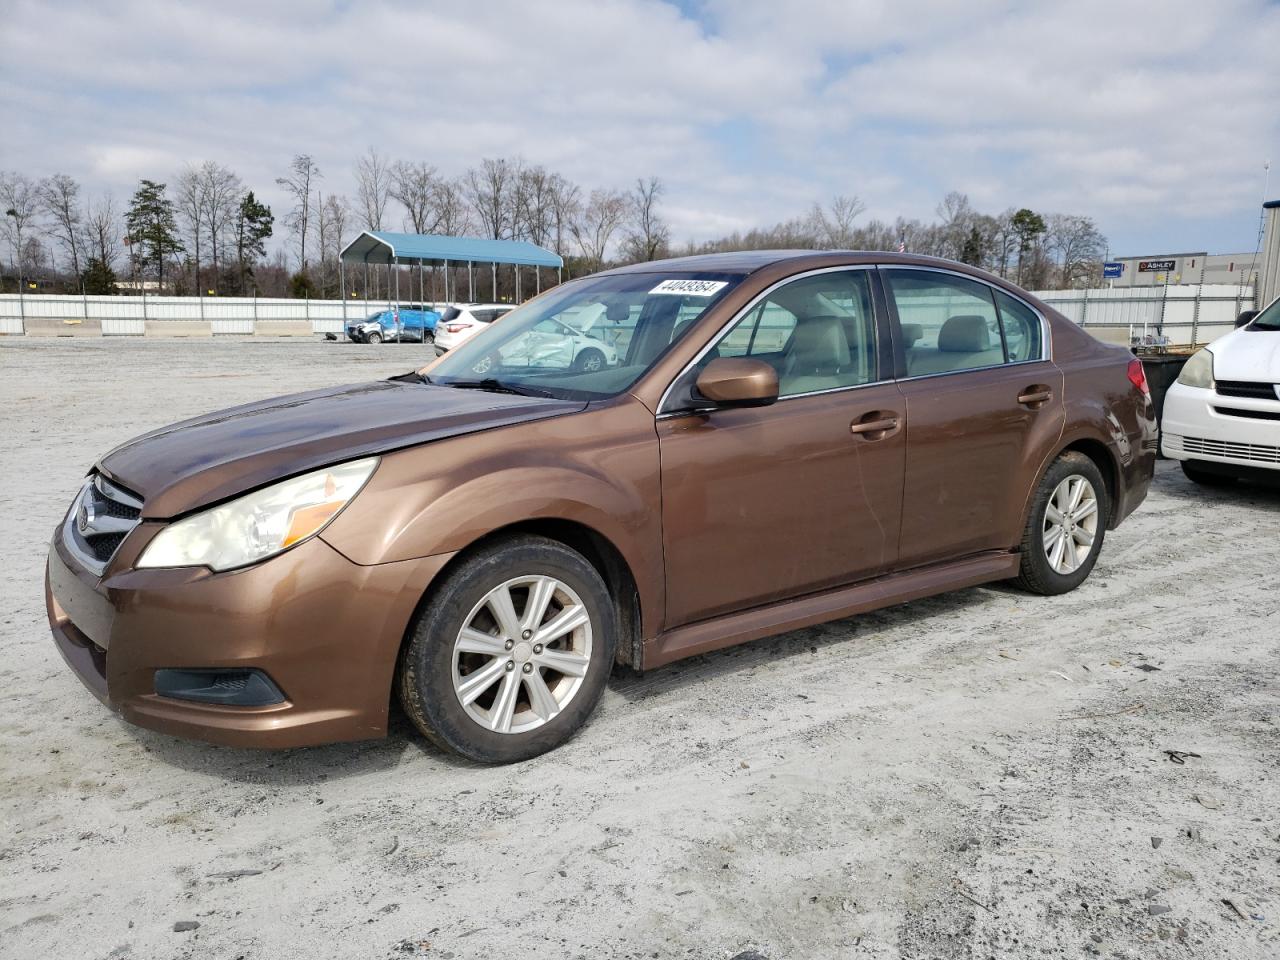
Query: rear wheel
[(1197, 473), (512, 653), (1065, 527), (373, 338)]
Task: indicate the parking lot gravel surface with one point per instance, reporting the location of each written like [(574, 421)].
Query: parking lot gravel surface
[(982, 774)]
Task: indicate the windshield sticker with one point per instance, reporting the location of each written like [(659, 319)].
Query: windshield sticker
[(690, 288)]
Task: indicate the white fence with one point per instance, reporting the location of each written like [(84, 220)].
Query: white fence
[(1179, 315), (130, 316)]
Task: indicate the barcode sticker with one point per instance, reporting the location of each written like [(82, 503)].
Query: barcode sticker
[(690, 288)]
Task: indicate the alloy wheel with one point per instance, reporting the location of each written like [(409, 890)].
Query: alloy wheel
[(522, 654), (1070, 524)]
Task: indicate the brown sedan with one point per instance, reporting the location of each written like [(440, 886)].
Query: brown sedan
[(638, 466)]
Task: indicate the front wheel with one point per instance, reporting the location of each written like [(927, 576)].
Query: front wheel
[(511, 654), (1065, 527), (373, 338), (589, 360)]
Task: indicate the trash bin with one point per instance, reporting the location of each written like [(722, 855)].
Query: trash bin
[(1162, 370)]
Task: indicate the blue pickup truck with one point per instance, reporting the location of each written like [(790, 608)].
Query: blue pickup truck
[(399, 325)]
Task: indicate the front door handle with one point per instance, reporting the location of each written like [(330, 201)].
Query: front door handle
[(875, 425), (1035, 396)]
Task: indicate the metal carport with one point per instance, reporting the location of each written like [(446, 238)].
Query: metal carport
[(397, 249)]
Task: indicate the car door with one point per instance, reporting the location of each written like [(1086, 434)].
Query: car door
[(764, 503), (984, 406)]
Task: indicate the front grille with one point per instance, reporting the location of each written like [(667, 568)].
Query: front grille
[(1246, 388), (1258, 452), (100, 519), (1251, 414)]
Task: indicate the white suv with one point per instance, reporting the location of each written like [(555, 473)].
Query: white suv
[(462, 321), (1222, 417)]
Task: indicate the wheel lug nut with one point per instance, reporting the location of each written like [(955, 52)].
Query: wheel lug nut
[(526, 635), (509, 644), (511, 665), (528, 668), (537, 648)]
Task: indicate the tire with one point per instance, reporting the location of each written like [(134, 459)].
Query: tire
[(1046, 568), (433, 671), (373, 338), (589, 360), (1206, 478), (428, 337)]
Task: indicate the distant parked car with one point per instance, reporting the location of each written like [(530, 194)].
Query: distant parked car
[(1222, 416), (398, 325), (463, 321)]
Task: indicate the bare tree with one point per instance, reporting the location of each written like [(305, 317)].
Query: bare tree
[(375, 183), (565, 204), (648, 235), (60, 197), (413, 186), (303, 173), (102, 224), (1077, 245), (21, 202), (453, 215), (191, 205), (535, 205), (833, 227), (596, 224), (491, 189), (956, 216), (222, 192), (331, 216)]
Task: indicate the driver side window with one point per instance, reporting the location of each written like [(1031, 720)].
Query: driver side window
[(817, 332)]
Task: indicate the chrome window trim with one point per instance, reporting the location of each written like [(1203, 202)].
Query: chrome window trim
[(1046, 333), (733, 321)]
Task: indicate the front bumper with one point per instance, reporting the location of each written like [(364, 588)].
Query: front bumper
[(1195, 428), (327, 632)]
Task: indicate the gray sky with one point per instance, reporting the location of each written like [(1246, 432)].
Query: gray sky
[(1153, 118)]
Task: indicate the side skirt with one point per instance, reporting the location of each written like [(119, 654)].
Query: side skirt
[(747, 625)]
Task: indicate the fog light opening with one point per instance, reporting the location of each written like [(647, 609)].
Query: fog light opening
[(232, 688)]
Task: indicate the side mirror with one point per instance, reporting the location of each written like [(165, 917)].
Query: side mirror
[(738, 382), (1246, 317)]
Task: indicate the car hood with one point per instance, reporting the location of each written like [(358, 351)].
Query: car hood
[(1246, 354), (198, 462)]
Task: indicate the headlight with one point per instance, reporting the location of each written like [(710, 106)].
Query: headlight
[(260, 524), (1198, 371)]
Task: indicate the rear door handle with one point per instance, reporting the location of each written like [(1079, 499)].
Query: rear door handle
[(875, 425), (1035, 396)]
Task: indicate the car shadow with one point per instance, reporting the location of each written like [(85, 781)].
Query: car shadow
[(804, 642), (1262, 493)]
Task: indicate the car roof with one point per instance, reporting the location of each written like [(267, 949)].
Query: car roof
[(749, 261)]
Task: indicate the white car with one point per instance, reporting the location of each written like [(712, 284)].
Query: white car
[(1222, 416), (462, 321)]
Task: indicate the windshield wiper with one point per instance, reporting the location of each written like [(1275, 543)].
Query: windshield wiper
[(497, 386)]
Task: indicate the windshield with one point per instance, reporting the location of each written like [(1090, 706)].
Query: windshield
[(586, 339), (1268, 319)]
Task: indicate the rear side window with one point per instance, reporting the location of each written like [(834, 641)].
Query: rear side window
[(450, 313), (1022, 332), (947, 323)]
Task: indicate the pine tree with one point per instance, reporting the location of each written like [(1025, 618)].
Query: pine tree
[(253, 226), (98, 278), (151, 224)]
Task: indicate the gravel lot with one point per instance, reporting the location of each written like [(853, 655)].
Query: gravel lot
[(980, 774)]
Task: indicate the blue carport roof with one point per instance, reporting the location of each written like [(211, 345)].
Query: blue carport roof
[(379, 246)]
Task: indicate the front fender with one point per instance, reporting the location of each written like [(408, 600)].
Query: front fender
[(598, 468)]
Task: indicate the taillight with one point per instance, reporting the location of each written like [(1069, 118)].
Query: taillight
[(456, 327), (1138, 376)]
